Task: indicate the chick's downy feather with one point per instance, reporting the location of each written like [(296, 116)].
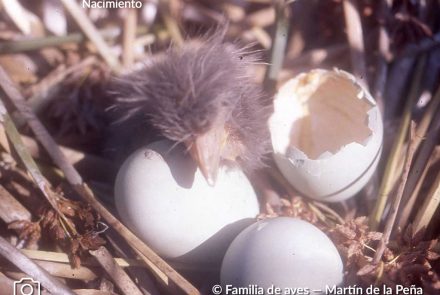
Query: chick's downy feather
[(187, 91)]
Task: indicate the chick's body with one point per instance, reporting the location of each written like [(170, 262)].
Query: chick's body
[(201, 95)]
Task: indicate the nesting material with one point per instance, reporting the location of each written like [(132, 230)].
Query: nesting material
[(163, 197), (326, 133)]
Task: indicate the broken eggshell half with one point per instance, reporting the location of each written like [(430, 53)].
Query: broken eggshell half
[(326, 133)]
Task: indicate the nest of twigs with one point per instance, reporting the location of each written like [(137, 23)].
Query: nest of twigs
[(57, 218)]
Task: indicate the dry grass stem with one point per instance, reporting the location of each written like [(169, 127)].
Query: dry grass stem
[(37, 127), (261, 18), (421, 163), (279, 43), (63, 270), (32, 269), (30, 164), (92, 33), (383, 58), (356, 40), (411, 200), (396, 203), (42, 92), (92, 292), (121, 279), (171, 24), (87, 164), (428, 208), (394, 157), (17, 46), (6, 284), (10, 209), (157, 265), (64, 258), (130, 23)]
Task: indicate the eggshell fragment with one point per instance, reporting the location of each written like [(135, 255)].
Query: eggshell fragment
[(326, 134), (163, 197), (282, 252)]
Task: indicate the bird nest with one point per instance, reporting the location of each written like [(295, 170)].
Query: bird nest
[(58, 60)]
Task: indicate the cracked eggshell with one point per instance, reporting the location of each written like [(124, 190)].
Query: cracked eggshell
[(284, 252), (326, 133), (162, 196)]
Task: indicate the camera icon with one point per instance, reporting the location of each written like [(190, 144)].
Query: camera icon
[(27, 286)]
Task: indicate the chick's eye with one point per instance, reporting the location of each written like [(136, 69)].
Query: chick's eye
[(225, 104), (202, 121)]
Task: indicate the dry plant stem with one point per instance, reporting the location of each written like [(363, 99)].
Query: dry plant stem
[(329, 211), (90, 165), (40, 92), (356, 40), (60, 270), (130, 23), (64, 270), (395, 206), (4, 142), (415, 179), (10, 209), (171, 24), (430, 205), (63, 258), (92, 292), (92, 33), (31, 166), (261, 36), (84, 191), (383, 58), (6, 284), (29, 267), (38, 43), (394, 158), (24, 19), (51, 41), (159, 275), (409, 204), (432, 200), (279, 44), (427, 118), (48, 85), (141, 275), (121, 279), (160, 268), (262, 17), (72, 155), (39, 130), (318, 213)]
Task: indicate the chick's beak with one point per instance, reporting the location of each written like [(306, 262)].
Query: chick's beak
[(206, 150)]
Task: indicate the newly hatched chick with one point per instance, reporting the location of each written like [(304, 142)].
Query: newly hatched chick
[(201, 95)]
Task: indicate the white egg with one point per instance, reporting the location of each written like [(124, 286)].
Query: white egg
[(163, 197), (326, 134), (285, 253)]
